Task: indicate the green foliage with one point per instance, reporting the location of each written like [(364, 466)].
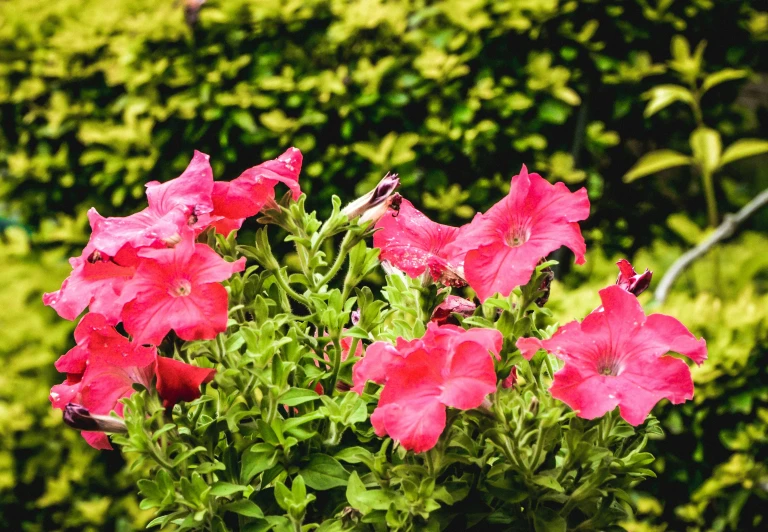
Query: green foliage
[(50, 479), (266, 448), (95, 96)]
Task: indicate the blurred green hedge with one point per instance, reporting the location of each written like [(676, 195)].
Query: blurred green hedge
[(50, 479), (97, 96)]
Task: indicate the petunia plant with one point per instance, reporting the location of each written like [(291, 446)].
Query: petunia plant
[(372, 371)]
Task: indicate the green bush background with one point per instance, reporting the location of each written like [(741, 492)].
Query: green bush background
[(97, 97)]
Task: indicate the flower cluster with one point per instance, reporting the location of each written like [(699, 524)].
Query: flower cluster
[(147, 272), (616, 357)]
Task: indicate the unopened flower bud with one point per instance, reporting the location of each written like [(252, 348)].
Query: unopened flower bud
[(78, 417), (631, 281), (373, 205), (511, 379), (355, 317)]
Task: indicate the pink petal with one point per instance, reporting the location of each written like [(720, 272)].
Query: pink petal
[(415, 425), (191, 190), (409, 240), (379, 357), (97, 440), (470, 377), (177, 381), (642, 385), (591, 394), (669, 334)]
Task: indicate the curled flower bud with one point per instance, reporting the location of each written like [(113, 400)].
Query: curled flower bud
[(631, 281), (511, 379), (373, 205), (443, 313), (78, 417), (355, 317)]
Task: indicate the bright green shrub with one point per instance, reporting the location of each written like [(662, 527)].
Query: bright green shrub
[(50, 479), (95, 96)]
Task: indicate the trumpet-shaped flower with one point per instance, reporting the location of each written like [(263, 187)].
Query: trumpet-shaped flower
[(178, 288), (414, 244), (246, 195), (103, 367), (173, 207), (448, 367), (502, 247), (616, 357)]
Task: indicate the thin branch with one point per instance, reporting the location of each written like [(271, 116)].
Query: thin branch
[(723, 231)]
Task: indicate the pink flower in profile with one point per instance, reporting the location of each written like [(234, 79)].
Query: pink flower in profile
[(96, 281), (178, 288), (245, 196), (173, 207), (502, 247), (103, 367), (448, 367), (616, 357), (631, 281), (414, 244)]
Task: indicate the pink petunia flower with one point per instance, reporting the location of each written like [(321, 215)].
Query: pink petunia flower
[(178, 288), (245, 196), (448, 367), (630, 280), (173, 207), (96, 280), (616, 357), (414, 244), (103, 367), (502, 246)]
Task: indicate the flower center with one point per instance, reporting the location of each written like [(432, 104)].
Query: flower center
[(517, 236), (180, 288), (608, 365)]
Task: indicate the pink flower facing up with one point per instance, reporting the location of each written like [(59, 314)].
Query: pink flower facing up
[(414, 244), (245, 196), (616, 357), (503, 245), (174, 206), (631, 281), (448, 367), (103, 367), (178, 288)]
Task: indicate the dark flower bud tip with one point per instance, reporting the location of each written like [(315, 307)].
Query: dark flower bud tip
[(78, 417)]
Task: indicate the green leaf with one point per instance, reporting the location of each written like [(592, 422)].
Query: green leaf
[(324, 472), (548, 482), (256, 459), (364, 501), (706, 148), (355, 455), (741, 149), (245, 507), (225, 489), (297, 396), (662, 96), (727, 74), (546, 520), (654, 162)]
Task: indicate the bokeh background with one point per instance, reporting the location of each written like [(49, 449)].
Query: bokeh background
[(99, 96)]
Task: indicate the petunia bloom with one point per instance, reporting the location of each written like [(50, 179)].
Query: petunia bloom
[(616, 357), (630, 280), (102, 369), (246, 195), (448, 367), (502, 247), (173, 207), (178, 288), (414, 244)]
